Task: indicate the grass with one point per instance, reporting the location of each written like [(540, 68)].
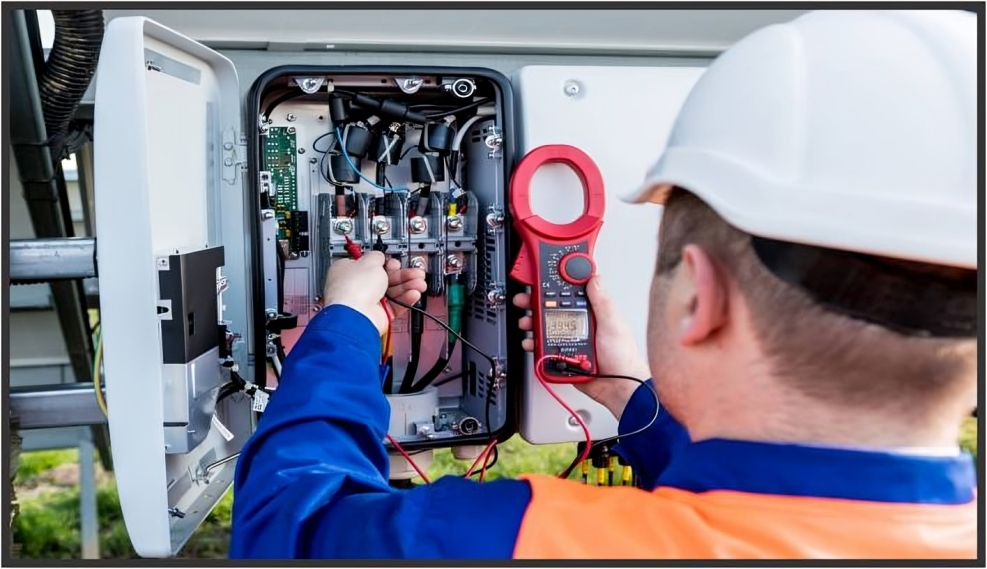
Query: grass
[(48, 524)]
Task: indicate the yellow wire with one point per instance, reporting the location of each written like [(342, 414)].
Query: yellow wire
[(97, 370)]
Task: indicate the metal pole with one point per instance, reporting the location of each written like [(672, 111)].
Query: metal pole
[(84, 164), (67, 405), (46, 260), (89, 526)]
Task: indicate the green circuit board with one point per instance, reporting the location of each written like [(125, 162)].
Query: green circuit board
[(280, 153)]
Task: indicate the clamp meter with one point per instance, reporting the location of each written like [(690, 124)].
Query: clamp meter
[(556, 262)]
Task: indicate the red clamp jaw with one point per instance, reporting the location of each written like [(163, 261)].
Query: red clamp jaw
[(556, 261)]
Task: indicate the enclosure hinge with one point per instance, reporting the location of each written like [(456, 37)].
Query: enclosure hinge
[(234, 154)]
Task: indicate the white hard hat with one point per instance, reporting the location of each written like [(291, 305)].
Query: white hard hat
[(848, 130)]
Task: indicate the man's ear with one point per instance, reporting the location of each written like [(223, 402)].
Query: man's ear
[(707, 296)]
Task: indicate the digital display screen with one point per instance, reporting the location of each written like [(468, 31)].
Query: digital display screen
[(566, 325)]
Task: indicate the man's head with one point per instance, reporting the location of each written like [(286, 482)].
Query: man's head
[(722, 325), (824, 256)]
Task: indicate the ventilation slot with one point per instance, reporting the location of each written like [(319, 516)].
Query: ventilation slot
[(481, 310)]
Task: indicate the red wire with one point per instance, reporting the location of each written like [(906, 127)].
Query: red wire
[(356, 253), (486, 461), (482, 454), (407, 457), (576, 416)]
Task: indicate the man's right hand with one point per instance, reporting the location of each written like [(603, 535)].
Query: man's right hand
[(616, 353)]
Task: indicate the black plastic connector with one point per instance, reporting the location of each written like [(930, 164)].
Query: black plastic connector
[(340, 173), (387, 148), (391, 109), (436, 137), (358, 139), (428, 169)]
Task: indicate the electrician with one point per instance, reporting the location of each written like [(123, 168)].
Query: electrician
[(812, 337)]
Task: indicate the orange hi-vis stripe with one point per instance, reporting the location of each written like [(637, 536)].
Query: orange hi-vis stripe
[(567, 520)]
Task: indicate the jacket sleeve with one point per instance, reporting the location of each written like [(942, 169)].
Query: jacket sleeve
[(312, 482), (650, 451)]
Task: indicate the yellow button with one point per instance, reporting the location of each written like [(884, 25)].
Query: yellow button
[(551, 304)]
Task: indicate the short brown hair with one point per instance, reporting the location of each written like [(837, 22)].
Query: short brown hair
[(825, 354)]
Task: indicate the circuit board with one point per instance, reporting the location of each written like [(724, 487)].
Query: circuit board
[(280, 153)]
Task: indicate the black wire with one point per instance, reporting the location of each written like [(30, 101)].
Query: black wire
[(437, 368), (316, 141), (281, 275), (283, 98), (472, 105), (449, 379), (496, 457), (433, 318), (407, 382), (468, 344), (597, 444)]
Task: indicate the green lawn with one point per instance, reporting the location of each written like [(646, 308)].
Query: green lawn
[(48, 524)]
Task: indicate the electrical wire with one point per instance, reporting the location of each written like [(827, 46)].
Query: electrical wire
[(486, 461), (440, 365), (349, 161), (449, 379), (483, 454), (491, 377), (496, 457), (407, 457), (97, 372), (579, 419), (467, 343), (456, 111), (608, 440)]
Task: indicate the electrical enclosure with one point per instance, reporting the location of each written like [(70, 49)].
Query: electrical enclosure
[(218, 221), (406, 160)]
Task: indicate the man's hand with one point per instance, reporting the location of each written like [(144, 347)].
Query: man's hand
[(362, 284), (404, 285), (616, 353)]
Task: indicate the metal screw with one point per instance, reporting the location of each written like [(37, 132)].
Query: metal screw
[(493, 141), (312, 160), (268, 214), (381, 225), (291, 130), (291, 118), (454, 223), (411, 85), (304, 253), (454, 263), (496, 297), (343, 226), (573, 422), (228, 146), (311, 84), (264, 129), (417, 224), (417, 263), (571, 88), (271, 314), (495, 219), (228, 161), (301, 151)]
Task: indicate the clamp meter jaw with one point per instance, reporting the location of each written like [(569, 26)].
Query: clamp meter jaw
[(556, 262)]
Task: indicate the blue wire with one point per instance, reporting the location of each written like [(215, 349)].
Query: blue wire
[(342, 144)]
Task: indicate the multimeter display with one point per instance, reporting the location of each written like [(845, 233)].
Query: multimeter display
[(567, 325)]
